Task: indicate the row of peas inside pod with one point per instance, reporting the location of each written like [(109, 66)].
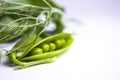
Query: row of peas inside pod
[(47, 47)]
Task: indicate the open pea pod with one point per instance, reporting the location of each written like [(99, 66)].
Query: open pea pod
[(43, 51)]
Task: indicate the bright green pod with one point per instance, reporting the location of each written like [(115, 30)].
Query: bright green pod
[(25, 61), (54, 53)]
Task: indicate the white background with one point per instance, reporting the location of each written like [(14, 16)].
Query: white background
[(95, 53)]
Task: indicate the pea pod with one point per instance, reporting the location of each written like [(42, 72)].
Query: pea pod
[(53, 50)]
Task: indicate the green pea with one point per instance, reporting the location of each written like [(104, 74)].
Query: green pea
[(45, 47), (52, 46), (36, 51), (58, 43), (63, 41)]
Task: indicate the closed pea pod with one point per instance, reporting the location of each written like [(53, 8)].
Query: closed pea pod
[(48, 55)]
